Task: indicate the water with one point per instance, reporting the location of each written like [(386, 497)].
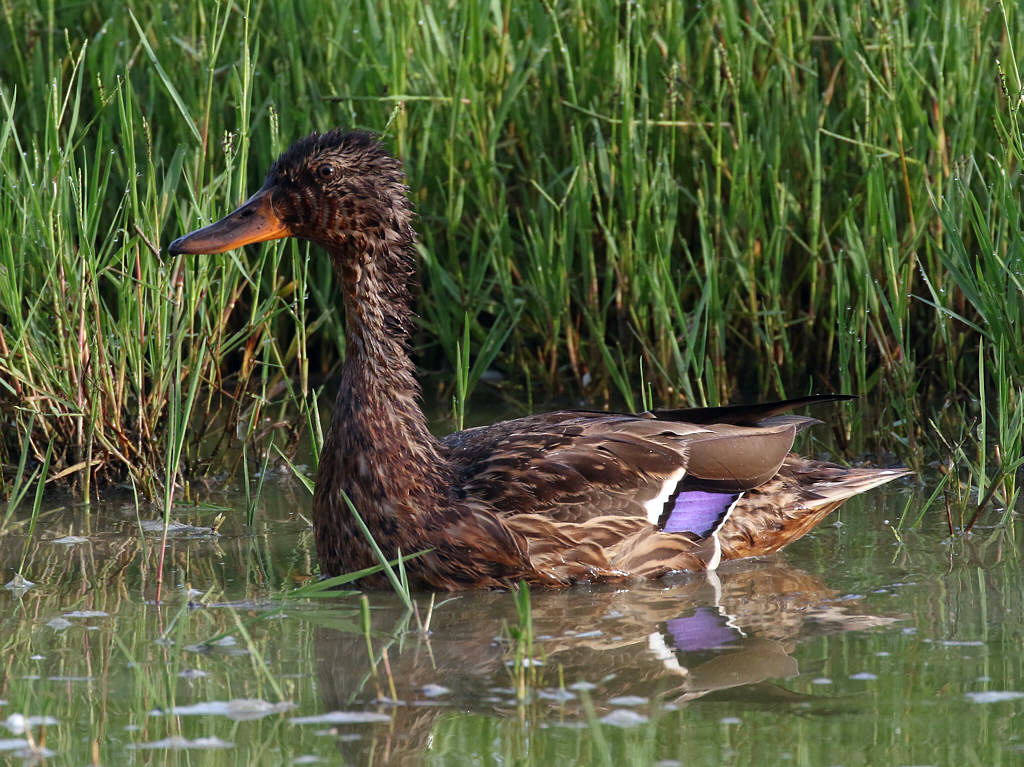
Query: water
[(854, 647)]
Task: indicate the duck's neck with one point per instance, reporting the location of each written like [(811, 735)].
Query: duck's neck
[(378, 450), (378, 387)]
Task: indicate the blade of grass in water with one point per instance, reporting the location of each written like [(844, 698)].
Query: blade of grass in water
[(397, 583)]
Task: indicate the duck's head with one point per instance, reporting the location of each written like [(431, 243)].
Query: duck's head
[(341, 190)]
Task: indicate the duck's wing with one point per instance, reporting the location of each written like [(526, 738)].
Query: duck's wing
[(573, 467), (599, 495)]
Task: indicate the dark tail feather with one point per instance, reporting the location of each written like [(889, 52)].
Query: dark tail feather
[(746, 415)]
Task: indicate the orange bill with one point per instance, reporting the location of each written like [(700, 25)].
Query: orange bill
[(253, 221)]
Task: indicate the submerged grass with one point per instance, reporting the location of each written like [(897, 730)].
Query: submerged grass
[(739, 200)]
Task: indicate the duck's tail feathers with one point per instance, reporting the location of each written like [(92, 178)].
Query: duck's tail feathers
[(746, 415), (853, 482), (784, 510)]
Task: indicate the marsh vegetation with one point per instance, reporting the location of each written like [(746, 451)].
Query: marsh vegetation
[(728, 203)]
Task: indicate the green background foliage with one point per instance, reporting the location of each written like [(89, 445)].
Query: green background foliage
[(728, 201)]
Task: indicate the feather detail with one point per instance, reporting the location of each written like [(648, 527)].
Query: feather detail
[(697, 511), (658, 507)]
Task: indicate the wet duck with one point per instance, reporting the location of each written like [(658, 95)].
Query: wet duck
[(551, 499)]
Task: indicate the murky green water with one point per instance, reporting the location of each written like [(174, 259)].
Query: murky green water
[(852, 648)]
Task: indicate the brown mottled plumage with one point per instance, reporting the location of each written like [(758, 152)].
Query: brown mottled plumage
[(550, 499)]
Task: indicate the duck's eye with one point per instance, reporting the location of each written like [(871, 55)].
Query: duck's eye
[(325, 171)]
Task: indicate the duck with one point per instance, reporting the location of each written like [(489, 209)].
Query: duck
[(549, 499)]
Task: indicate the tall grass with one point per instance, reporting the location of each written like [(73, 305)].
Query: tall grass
[(748, 200)]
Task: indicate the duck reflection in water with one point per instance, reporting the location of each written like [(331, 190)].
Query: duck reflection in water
[(728, 635)]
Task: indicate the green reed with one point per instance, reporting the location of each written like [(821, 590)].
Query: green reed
[(748, 201), (523, 667)]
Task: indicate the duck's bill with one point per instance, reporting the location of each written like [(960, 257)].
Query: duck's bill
[(253, 221)]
